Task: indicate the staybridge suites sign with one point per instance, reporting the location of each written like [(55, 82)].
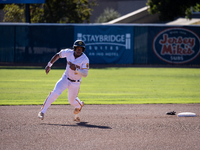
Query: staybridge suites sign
[(107, 44), (176, 45)]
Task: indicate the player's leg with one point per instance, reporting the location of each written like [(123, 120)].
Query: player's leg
[(60, 86), (73, 90), (78, 109), (49, 100)]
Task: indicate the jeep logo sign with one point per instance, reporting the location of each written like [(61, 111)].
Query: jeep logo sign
[(176, 45)]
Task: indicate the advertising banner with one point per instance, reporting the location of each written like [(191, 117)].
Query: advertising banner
[(175, 45), (107, 44)]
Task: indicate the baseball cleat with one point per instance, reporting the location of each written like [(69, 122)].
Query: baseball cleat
[(41, 115), (77, 118), (77, 110)]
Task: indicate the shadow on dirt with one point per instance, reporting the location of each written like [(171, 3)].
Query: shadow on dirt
[(80, 124)]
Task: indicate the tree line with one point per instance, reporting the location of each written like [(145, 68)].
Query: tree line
[(79, 11)]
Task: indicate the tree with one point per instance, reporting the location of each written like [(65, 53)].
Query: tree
[(55, 11), (168, 10), (16, 14), (107, 15)]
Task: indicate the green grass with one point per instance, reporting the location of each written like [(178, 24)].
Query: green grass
[(104, 86)]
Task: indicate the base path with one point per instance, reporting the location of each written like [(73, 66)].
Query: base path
[(107, 127)]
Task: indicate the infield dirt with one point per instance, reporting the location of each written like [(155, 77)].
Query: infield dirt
[(108, 127)]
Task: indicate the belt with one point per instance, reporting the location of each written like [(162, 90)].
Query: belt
[(73, 80)]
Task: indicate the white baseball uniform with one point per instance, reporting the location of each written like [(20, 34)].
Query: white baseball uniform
[(71, 79)]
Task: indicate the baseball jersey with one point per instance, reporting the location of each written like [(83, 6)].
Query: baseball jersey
[(82, 62)]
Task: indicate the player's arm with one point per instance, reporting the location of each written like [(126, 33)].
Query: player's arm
[(82, 72), (51, 62)]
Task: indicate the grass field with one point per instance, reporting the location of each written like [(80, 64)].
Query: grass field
[(104, 86)]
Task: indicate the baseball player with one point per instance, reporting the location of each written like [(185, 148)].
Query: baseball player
[(77, 67)]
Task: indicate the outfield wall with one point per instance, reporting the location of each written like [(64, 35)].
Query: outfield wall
[(105, 44)]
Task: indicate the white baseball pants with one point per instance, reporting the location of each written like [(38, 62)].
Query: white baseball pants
[(61, 85)]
